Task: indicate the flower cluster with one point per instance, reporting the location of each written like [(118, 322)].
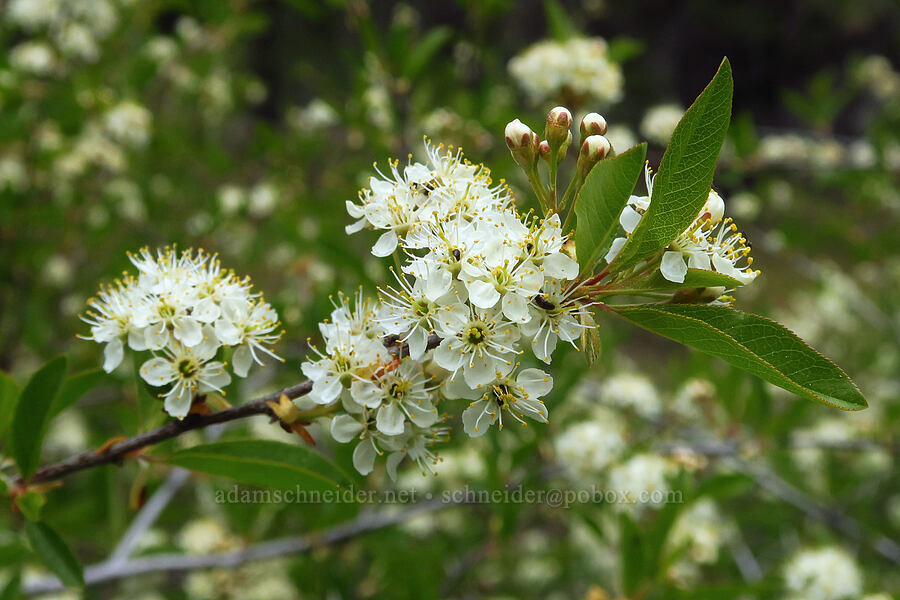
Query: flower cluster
[(829, 573), (578, 67), (480, 284), (711, 242), (183, 308)]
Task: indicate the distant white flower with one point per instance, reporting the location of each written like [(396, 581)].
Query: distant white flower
[(660, 121), (702, 530), (549, 69), (129, 123), (628, 390), (642, 479), (828, 573), (586, 449), (36, 58)]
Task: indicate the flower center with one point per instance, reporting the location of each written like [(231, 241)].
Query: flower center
[(399, 389), (420, 307), (476, 334), (187, 368)]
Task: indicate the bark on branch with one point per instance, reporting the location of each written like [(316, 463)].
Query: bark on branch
[(120, 450)]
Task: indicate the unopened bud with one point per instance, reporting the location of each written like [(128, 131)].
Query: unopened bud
[(522, 142), (593, 149), (559, 120), (593, 124), (544, 150)]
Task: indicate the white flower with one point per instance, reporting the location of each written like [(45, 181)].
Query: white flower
[(579, 65), (350, 352), (702, 530), (478, 342), (189, 370), (413, 311), (519, 398), (628, 390), (499, 276), (660, 121), (36, 58), (642, 479), (415, 443), (554, 316), (249, 325), (182, 305), (114, 317), (826, 574), (129, 123), (396, 395), (587, 448)]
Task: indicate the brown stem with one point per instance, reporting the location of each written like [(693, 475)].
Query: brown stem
[(115, 453)]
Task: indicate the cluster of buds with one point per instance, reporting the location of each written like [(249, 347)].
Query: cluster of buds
[(527, 147)]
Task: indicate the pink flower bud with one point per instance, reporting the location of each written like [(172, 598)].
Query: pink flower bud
[(593, 124), (559, 120), (594, 148)]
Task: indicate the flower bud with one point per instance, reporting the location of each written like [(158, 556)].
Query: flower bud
[(544, 150), (559, 120), (522, 142), (593, 124), (593, 150)]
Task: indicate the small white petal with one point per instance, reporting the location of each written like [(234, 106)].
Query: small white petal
[(673, 267), (386, 244), (344, 428), (112, 355)]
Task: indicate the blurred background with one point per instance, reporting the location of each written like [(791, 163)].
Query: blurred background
[(243, 127)]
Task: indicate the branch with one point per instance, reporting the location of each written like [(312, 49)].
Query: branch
[(120, 450), (786, 492), (173, 563)]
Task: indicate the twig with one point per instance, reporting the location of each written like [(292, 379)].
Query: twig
[(118, 451), (172, 563), (770, 481), (148, 514)]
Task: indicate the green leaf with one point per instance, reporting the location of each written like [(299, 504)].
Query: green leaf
[(9, 396), (606, 191), (685, 174), (263, 462), (559, 25), (31, 503), (74, 388), (754, 344), (53, 551), (423, 51), (13, 588), (694, 278), (632, 554), (33, 414)]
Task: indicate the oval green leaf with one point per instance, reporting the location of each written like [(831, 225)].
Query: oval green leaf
[(265, 463), (752, 343), (601, 201), (9, 397), (33, 414), (74, 388), (54, 553), (685, 174)]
